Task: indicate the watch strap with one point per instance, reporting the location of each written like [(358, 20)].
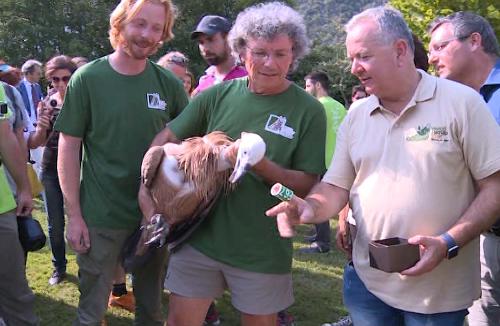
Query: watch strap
[(452, 247)]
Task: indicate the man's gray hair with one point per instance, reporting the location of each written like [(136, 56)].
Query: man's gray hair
[(464, 24), (390, 22), (29, 66), (267, 21)]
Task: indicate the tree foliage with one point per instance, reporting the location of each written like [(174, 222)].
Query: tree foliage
[(40, 29), (331, 59), (325, 20), (420, 13)]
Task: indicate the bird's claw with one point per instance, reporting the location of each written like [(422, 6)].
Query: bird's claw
[(156, 231)]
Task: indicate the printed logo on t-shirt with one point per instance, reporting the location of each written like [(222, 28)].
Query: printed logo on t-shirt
[(277, 125), (155, 102)]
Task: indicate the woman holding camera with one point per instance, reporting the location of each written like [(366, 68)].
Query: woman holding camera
[(58, 71)]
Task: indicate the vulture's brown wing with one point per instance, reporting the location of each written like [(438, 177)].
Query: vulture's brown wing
[(150, 164)]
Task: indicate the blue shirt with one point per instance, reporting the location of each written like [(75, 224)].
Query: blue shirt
[(491, 91)]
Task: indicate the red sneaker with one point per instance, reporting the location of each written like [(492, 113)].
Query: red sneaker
[(126, 301)]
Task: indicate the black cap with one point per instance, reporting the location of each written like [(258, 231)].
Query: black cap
[(210, 25)]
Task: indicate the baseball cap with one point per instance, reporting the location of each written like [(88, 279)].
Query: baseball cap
[(210, 25)]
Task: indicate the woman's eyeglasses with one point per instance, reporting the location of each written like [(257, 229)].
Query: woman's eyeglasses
[(58, 79)]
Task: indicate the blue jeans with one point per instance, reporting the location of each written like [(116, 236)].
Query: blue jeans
[(54, 205), (366, 309)]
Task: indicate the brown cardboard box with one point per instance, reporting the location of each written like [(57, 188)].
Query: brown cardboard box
[(393, 254)]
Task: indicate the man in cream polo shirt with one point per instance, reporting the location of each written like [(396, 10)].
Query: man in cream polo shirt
[(409, 159)]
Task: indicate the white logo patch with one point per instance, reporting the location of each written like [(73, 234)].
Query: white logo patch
[(277, 125), (155, 102)]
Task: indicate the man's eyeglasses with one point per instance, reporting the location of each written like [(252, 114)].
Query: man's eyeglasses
[(58, 79), (438, 47), (261, 55)]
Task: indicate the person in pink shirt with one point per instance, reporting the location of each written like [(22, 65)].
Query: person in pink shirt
[(211, 35)]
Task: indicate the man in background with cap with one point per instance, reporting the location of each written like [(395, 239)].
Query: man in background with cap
[(211, 34)]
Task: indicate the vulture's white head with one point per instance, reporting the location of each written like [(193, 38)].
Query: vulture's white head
[(251, 150)]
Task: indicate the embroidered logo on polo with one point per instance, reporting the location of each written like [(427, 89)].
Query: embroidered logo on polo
[(277, 125), (155, 102), (439, 134), (422, 133)]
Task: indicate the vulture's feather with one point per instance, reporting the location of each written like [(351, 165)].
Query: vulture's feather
[(185, 179)]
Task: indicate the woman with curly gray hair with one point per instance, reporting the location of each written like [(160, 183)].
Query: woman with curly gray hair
[(237, 247), (267, 21)]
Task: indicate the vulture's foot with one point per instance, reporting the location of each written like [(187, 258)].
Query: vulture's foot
[(156, 231)]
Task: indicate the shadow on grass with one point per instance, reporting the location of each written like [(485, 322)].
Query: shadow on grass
[(317, 282), (57, 312)]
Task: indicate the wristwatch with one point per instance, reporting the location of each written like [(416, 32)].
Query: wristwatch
[(451, 244)]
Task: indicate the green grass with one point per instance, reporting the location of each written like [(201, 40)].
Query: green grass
[(317, 287)]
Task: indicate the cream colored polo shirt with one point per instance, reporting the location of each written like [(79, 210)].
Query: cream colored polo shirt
[(413, 174)]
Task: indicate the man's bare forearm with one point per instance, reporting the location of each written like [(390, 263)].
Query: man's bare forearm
[(163, 137), (69, 173), (300, 182), (481, 213), (326, 200)]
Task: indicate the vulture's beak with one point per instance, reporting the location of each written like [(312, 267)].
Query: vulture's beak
[(240, 169), (250, 151)]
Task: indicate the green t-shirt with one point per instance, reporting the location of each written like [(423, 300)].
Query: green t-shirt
[(335, 113), (117, 116), (237, 232)]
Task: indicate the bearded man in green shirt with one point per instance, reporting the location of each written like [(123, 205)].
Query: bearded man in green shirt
[(114, 106)]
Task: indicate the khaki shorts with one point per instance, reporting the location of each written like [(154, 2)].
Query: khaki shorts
[(192, 274)]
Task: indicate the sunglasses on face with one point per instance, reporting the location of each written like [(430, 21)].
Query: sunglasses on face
[(178, 60), (63, 78)]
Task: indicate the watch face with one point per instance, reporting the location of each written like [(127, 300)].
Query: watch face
[(452, 252)]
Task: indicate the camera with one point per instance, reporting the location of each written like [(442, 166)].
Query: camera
[(4, 109), (52, 103)]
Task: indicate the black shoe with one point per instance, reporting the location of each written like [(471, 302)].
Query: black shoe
[(315, 248), (310, 238), (57, 277), (285, 319)]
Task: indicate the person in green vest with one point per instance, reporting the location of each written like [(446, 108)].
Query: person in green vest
[(317, 84), (17, 299)]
